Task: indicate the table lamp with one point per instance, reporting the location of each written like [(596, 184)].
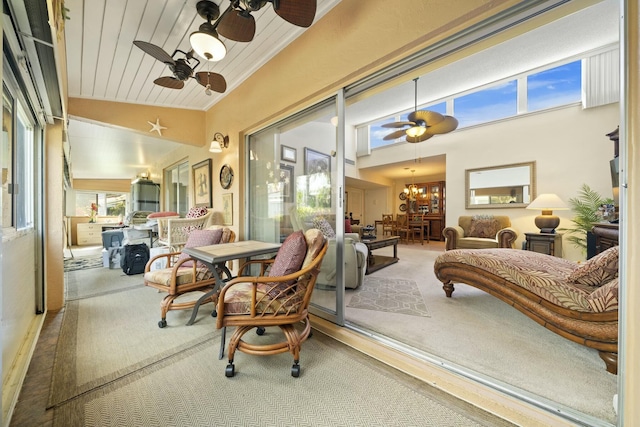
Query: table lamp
[(547, 203)]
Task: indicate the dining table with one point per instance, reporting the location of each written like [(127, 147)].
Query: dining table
[(215, 257)]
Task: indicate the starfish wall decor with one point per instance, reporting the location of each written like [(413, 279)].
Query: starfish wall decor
[(155, 127)]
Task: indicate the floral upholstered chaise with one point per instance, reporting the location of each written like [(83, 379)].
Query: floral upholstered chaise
[(578, 301)]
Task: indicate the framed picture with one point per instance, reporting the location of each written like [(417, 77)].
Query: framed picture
[(316, 162), (287, 177), (202, 184), (288, 154), (227, 209)]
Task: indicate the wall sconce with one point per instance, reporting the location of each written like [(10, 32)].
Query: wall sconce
[(219, 142)]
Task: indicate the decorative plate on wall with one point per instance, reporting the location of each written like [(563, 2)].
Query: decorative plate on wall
[(403, 196), (403, 207), (226, 176)]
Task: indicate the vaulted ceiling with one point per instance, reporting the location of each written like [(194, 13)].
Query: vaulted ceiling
[(104, 64)]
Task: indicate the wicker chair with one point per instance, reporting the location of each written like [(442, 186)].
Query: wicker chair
[(174, 232), (182, 275), (270, 300)]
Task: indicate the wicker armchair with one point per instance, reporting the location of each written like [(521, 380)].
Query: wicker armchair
[(174, 232), (273, 300), (182, 275)]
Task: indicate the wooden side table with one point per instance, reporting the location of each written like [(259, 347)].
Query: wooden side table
[(544, 243)]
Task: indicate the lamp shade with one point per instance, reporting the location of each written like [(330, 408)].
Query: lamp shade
[(215, 147), (547, 203), (205, 42)]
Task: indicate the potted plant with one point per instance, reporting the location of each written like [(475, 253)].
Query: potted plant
[(585, 206)]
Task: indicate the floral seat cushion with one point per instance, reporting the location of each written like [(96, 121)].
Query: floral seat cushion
[(543, 275), (184, 275)]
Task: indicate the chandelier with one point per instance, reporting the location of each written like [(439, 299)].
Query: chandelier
[(412, 191)]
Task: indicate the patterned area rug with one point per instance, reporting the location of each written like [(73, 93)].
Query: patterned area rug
[(390, 295), (73, 264)]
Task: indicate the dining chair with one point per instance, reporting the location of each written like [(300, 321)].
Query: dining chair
[(183, 275), (388, 225), (402, 227), (278, 296), (419, 226)]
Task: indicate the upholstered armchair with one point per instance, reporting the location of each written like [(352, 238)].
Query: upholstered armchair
[(480, 232), (355, 252)]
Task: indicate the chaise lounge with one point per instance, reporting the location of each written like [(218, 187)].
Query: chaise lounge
[(577, 301)]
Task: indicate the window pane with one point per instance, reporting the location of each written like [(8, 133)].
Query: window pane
[(486, 105), (6, 158), (556, 86), (176, 188), (24, 172)]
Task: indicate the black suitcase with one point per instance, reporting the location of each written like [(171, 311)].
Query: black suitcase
[(134, 258)]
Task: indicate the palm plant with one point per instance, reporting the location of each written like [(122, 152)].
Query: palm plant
[(586, 207)]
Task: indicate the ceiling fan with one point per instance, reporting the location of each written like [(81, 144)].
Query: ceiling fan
[(182, 69), (422, 124), (237, 23)]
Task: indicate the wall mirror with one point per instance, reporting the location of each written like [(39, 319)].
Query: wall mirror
[(506, 186)]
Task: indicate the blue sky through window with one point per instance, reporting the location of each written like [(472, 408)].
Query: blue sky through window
[(557, 86), (493, 103)]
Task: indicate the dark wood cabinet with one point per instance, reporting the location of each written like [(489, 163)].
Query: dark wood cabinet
[(606, 236), (430, 201), (544, 243)]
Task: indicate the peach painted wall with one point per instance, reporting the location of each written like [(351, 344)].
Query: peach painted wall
[(185, 126)]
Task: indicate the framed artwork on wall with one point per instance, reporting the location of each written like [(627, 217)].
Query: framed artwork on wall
[(288, 154), (287, 177), (202, 184), (227, 209), (316, 162)]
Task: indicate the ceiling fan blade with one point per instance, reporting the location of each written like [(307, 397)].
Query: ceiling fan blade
[(429, 117), (297, 12), (395, 135), (237, 25), (155, 51), (397, 124), (447, 125), (169, 82), (423, 137), (215, 81)]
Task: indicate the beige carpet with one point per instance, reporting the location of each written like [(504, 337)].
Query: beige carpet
[(476, 330), (115, 367)]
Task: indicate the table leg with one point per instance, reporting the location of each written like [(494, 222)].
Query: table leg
[(395, 250), (212, 292)]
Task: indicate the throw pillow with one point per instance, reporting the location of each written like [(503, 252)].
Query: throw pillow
[(161, 214), (347, 226), (605, 298), (323, 225), (196, 212), (288, 260), (200, 238), (598, 270), (484, 228)]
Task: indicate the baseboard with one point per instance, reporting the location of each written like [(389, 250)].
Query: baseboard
[(489, 399), (13, 384)]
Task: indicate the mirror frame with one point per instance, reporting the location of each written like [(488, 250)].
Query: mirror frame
[(532, 184)]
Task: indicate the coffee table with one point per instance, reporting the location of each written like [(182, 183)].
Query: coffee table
[(376, 262)]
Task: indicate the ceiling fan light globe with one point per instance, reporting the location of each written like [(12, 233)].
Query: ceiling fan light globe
[(416, 131), (207, 45)]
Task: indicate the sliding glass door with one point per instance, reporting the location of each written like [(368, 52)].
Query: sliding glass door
[(296, 177)]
